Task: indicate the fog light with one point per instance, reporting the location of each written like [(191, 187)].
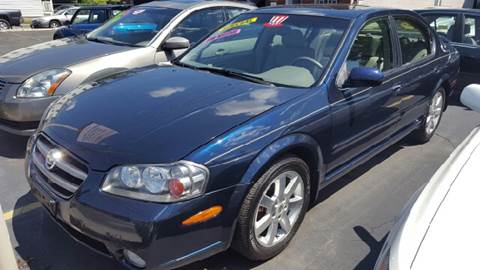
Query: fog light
[(134, 259)]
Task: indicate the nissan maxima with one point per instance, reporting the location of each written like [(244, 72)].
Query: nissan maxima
[(229, 144)]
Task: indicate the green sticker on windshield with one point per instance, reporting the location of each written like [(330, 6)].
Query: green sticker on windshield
[(238, 24)]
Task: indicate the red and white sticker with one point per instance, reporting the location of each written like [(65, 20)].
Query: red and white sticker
[(276, 21)]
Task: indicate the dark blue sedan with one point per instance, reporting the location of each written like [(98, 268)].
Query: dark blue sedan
[(87, 19), (230, 144), (462, 28)]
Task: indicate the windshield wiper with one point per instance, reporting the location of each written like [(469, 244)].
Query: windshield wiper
[(106, 41), (236, 74)]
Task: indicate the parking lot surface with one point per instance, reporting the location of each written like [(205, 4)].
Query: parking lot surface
[(344, 230)]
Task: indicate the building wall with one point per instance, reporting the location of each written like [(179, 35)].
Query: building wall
[(411, 4), (29, 8)]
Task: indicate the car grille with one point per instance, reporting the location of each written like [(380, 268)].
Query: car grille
[(2, 84), (67, 174)]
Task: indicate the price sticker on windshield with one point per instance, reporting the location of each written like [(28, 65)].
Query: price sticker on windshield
[(238, 24), (276, 21), (224, 35), (138, 11)]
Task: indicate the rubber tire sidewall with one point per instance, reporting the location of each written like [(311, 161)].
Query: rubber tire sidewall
[(420, 135), (52, 22), (8, 24), (245, 242)]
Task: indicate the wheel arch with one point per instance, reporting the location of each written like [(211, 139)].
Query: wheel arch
[(443, 83), (6, 18), (301, 145)]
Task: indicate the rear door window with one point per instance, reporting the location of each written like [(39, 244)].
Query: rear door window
[(444, 25), (471, 27), (98, 16), (414, 38)]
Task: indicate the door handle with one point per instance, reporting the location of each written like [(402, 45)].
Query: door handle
[(397, 89)]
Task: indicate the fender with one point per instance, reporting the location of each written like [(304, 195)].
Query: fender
[(284, 145)]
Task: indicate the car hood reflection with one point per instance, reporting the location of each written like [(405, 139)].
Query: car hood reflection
[(18, 65), (164, 113)]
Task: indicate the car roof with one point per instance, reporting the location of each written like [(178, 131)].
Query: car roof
[(186, 4), (104, 7), (338, 10), (446, 9)]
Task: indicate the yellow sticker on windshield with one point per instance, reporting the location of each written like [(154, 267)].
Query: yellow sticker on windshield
[(238, 24)]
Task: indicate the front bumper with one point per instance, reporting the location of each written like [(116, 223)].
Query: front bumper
[(109, 224), (39, 24), (20, 116)]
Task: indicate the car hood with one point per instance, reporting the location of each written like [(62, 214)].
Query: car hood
[(18, 65), (456, 222), (158, 115), (443, 215)]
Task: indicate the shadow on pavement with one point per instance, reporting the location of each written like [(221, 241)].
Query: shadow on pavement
[(375, 248), (12, 146), (43, 245)]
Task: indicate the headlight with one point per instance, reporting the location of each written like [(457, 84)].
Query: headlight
[(43, 84), (159, 183)]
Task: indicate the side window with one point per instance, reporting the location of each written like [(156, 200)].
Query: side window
[(98, 16), (444, 25), (471, 35), (198, 24), (233, 12), (70, 12), (81, 17), (414, 40), (372, 47)]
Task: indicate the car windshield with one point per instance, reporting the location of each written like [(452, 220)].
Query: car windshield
[(134, 27), (289, 50)]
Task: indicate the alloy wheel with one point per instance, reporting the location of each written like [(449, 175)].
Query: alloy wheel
[(434, 112), (3, 25), (279, 209)]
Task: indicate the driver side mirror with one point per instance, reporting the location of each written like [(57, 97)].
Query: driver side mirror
[(176, 43), (364, 77), (67, 22)]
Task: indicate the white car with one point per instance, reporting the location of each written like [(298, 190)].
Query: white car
[(56, 20), (439, 227)]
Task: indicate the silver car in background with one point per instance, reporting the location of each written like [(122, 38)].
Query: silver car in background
[(148, 34), (59, 18)]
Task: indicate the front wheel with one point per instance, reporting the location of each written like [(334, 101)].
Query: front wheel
[(4, 24), (273, 210), (54, 24), (432, 118)]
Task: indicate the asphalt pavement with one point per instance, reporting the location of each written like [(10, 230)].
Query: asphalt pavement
[(344, 230)]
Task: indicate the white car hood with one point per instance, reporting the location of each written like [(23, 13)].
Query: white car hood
[(440, 231), (451, 241)]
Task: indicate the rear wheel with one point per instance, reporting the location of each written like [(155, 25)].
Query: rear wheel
[(432, 118), (273, 210), (4, 24), (54, 24)]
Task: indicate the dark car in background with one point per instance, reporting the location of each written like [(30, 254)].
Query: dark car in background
[(9, 18), (230, 143), (462, 28), (87, 19)]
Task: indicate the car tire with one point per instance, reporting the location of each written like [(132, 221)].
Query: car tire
[(4, 24), (252, 238), (432, 118), (54, 24)]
